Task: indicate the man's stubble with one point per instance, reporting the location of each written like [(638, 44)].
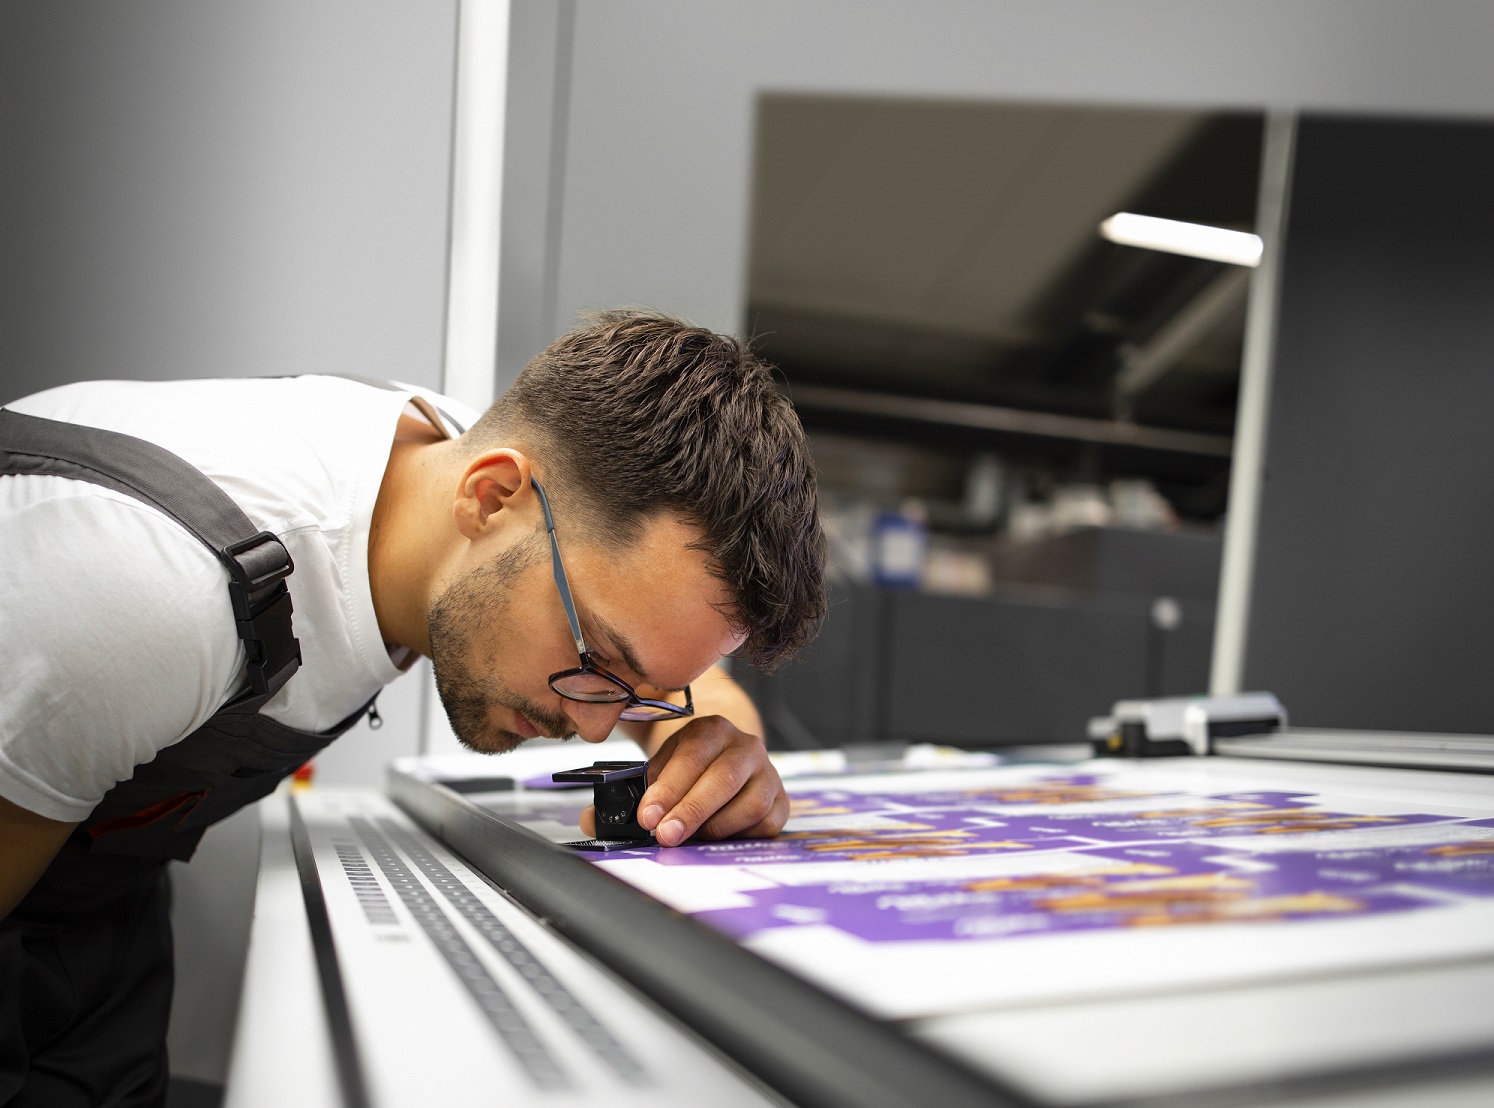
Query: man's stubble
[(477, 607)]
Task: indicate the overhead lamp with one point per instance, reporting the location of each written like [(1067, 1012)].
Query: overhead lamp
[(1195, 240)]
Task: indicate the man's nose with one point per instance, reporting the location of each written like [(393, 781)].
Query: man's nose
[(594, 722)]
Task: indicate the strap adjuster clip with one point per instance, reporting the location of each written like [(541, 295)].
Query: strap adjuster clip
[(268, 561), (262, 608)]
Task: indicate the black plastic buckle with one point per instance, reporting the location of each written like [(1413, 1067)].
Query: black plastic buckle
[(275, 565), (262, 609)]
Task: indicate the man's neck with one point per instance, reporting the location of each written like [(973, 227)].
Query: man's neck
[(411, 533)]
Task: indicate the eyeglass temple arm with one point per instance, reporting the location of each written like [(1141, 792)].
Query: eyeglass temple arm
[(560, 581)]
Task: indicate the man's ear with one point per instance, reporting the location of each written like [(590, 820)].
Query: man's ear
[(494, 489)]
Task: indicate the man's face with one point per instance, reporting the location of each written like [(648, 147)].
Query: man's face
[(649, 612)]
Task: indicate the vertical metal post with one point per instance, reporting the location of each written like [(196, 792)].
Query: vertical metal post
[(1231, 625), (476, 201), (473, 237)]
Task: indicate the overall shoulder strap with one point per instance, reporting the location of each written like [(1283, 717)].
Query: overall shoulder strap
[(257, 561), (439, 417)]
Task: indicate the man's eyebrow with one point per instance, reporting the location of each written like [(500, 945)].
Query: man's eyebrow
[(624, 648)]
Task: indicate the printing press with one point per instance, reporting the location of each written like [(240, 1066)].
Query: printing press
[(1255, 922)]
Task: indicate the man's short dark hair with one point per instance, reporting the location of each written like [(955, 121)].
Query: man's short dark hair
[(635, 413)]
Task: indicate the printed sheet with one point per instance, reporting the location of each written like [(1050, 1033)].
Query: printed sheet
[(919, 893)]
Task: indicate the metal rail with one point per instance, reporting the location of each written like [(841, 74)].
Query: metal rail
[(1016, 421), (812, 1048)]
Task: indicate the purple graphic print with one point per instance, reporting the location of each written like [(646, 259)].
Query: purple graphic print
[(1145, 886), (883, 827), (1096, 857)]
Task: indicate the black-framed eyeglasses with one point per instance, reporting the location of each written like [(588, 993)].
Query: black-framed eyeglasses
[(589, 683)]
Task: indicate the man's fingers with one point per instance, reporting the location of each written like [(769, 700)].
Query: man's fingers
[(758, 812), (711, 780), (660, 759), (680, 766), (715, 788), (588, 823)]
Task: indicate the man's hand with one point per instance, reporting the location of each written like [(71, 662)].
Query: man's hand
[(709, 780)]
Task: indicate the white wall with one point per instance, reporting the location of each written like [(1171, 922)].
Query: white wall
[(659, 137), (222, 189), (192, 189)]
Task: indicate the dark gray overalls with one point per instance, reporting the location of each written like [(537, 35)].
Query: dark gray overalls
[(85, 959)]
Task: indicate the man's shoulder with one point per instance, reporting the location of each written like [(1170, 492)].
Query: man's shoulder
[(67, 538), (96, 579), (289, 451), (138, 407), (119, 639)]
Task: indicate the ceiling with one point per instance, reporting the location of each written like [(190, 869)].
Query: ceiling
[(951, 250)]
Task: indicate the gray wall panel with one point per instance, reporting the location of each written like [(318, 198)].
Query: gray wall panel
[(828, 695), (194, 189), (1184, 652), (1374, 600), (976, 672)]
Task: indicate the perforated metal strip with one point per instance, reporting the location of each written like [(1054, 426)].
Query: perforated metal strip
[(366, 886), (490, 996), (580, 1019)]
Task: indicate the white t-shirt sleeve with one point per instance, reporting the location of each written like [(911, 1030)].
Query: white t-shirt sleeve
[(117, 639)]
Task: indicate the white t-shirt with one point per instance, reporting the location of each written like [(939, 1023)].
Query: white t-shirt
[(116, 634)]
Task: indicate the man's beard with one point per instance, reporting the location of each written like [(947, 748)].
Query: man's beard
[(475, 607)]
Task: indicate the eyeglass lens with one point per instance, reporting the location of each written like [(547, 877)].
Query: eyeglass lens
[(590, 687), (638, 712), (593, 688)]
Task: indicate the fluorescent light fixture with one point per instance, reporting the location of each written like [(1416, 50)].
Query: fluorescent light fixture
[(1196, 240)]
